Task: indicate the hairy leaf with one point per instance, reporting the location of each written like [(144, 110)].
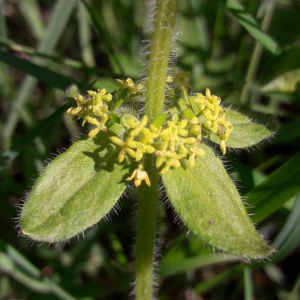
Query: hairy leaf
[(75, 191), (210, 206), (245, 132)]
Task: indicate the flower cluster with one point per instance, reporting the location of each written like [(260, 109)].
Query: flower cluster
[(212, 116), (170, 144), (92, 110)]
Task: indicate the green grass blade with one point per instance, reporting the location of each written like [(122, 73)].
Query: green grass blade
[(16, 265), (102, 32), (41, 73), (61, 61), (278, 188), (3, 31), (201, 25), (248, 284), (8, 155), (222, 277), (251, 25), (172, 268), (31, 12), (289, 237), (295, 293), (59, 18), (85, 36), (19, 259), (4, 74)]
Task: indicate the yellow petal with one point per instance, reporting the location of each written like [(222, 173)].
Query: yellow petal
[(130, 152), (132, 175), (194, 121), (159, 161), (164, 170), (149, 149), (223, 147), (138, 154), (207, 93), (117, 141), (192, 160), (121, 156), (189, 140), (94, 132)]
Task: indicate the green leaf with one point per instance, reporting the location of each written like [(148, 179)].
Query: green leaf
[(188, 113), (210, 206), (278, 188), (251, 25), (72, 91), (288, 82), (245, 133), (282, 74), (20, 145), (75, 191), (159, 120), (288, 60), (187, 264), (41, 73)]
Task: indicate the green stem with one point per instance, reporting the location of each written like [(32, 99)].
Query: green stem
[(148, 196), (248, 285), (159, 57), (146, 229)]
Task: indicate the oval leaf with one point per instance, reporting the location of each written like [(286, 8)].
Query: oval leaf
[(75, 191), (210, 206), (245, 133)]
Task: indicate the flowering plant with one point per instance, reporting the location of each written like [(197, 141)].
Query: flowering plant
[(157, 128)]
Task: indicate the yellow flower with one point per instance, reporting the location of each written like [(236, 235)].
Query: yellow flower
[(92, 109), (214, 116), (138, 175), (128, 84)]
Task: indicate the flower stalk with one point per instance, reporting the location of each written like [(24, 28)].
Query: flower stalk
[(161, 41)]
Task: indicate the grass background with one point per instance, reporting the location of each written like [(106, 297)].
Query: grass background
[(247, 52)]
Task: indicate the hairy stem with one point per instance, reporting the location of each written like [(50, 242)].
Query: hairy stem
[(146, 234), (159, 57), (148, 196)]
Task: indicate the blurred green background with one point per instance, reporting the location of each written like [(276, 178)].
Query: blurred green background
[(47, 45)]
